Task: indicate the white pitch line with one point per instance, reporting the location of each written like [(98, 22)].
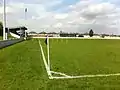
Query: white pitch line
[(45, 63), (106, 38), (87, 76), (62, 74)]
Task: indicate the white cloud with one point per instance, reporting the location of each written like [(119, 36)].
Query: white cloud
[(102, 17), (61, 16), (8, 10), (58, 25)]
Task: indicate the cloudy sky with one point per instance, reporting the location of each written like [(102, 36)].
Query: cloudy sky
[(103, 16)]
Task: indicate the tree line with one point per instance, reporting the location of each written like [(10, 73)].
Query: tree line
[(91, 33), (63, 34)]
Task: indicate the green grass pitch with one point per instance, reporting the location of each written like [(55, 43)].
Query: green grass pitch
[(85, 57), (22, 67)]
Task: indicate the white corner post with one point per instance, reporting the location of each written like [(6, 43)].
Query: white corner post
[(4, 19), (48, 48)]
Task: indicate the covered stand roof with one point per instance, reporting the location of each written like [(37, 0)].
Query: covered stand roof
[(17, 28)]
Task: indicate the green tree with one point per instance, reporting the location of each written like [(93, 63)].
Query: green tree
[(91, 33), (1, 29)]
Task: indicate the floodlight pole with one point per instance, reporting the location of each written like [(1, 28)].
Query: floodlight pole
[(25, 20), (4, 19)]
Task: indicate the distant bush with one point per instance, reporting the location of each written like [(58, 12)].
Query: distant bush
[(67, 35), (102, 35), (80, 36)]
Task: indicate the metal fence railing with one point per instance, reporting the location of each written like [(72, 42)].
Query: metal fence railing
[(6, 43)]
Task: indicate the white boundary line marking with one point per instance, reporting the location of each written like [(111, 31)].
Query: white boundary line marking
[(87, 76), (45, 63), (62, 74), (106, 38)]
